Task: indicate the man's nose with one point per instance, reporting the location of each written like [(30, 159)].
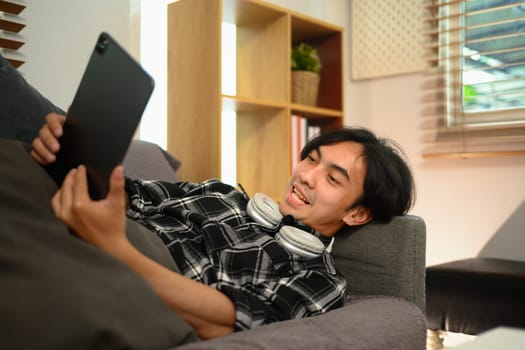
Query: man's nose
[(309, 176)]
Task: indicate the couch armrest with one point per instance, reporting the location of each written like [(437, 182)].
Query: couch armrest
[(371, 323), (384, 258)]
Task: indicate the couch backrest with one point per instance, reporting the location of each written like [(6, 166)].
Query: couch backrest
[(146, 160), (384, 258)]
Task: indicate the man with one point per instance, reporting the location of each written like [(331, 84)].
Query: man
[(234, 273)]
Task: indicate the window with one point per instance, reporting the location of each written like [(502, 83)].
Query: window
[(11, 24), (478, 63)]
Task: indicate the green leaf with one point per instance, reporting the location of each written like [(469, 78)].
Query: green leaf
[(304, 57)]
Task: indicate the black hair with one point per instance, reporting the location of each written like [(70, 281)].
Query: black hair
[(389, 186)]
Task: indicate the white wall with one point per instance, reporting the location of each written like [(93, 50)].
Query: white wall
[(153, 56), (469, 205), (60, 35)]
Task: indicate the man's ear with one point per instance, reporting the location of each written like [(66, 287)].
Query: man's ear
[(357, 216)]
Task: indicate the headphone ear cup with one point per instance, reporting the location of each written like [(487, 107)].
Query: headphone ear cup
[(264, 210), (300, 242)]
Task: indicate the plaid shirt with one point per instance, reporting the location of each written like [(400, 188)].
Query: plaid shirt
[(213, 240)]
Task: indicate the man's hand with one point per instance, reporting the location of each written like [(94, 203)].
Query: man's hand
[(102, 222), (46, 144)]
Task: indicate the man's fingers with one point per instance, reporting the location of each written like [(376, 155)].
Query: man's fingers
[(55, 122), (41, 153), (37, 157), (116, 184), (61, 201), (80, 188), (49, 139), (51, 131), (46, 145), (55, 203), (67, 195)]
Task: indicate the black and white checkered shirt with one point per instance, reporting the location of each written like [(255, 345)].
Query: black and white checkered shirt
[(213, 240)]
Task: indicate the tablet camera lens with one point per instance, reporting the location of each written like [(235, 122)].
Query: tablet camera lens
[(102, 44)]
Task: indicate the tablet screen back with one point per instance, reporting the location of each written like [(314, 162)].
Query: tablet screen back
[(103, 116)]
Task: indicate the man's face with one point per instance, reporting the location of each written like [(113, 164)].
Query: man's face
[(325, 185)]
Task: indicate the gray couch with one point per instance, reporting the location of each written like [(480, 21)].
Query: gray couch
[(385, 268), (58, 292)]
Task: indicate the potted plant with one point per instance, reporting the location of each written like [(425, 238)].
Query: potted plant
[(305, 74)]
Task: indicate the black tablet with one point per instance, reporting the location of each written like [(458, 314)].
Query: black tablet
[(103, 116)]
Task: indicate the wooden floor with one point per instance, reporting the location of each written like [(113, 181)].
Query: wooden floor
[(446, 340)]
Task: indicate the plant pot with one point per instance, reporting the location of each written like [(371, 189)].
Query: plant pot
[(305, 86)]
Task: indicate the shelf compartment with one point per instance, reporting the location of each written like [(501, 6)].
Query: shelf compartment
[(328, 40), (263, 151), (261, 71)]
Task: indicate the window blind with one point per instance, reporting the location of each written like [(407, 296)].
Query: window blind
[(475, 88), (11, 24)]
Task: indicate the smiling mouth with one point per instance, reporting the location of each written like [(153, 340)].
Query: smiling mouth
[(299, 196)]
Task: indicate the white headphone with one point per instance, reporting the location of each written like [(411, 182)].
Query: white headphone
[(265, 211)]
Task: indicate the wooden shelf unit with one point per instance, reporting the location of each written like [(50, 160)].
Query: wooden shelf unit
[(265, 34)]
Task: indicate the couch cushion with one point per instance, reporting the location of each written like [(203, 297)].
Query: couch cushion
[(57, 291), (22, 108)]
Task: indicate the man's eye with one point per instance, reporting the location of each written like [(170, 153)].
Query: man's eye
[(333, 179)]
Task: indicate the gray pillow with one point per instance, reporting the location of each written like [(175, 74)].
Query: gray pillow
[(22, 108), (57, 291)]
